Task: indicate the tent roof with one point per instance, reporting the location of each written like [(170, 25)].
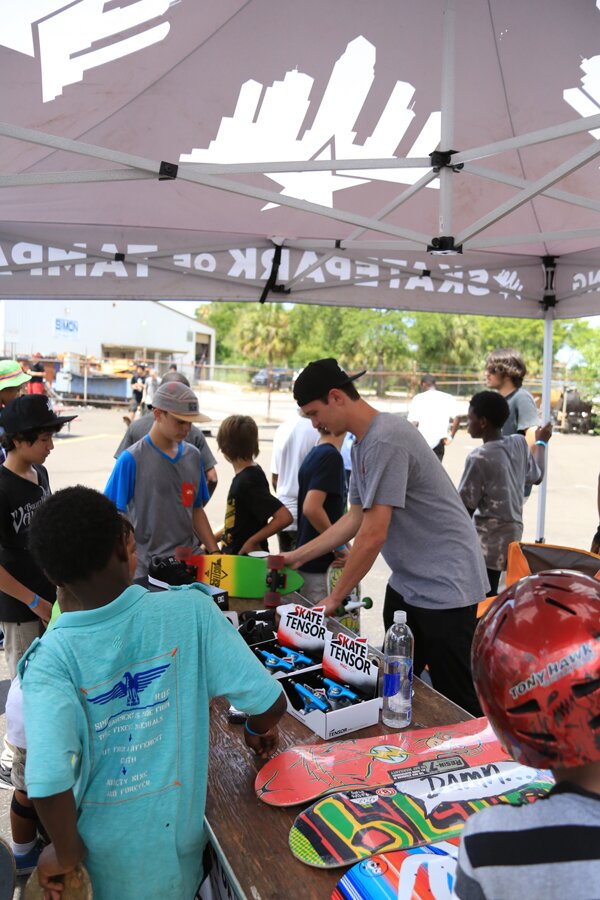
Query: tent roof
[(306, 126)]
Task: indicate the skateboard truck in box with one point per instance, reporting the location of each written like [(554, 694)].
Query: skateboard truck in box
[(299, 642), (341, 695)]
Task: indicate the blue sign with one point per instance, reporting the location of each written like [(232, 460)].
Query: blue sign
[(66, 327)]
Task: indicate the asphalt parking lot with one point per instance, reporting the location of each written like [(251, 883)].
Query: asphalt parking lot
[(84, 455)]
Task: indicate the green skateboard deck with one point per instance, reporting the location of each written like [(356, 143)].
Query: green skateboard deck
[(243, 576), (77, 886), (344, 828), (8, 872), (302, 774), (422, 873)]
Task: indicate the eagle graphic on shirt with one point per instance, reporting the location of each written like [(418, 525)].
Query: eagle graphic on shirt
[(130, 686)]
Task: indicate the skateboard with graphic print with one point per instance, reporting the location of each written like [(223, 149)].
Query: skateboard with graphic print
[(306, 772), (252, 577), (8, 871), (342, 829), (348, 613), (76, 885), (421, 873)]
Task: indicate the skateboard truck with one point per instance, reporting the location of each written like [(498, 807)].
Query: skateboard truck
[(311, 700), (349, 605), (276, 663), (297, 658), (339, 694)]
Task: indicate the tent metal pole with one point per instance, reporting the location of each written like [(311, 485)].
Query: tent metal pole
[(546, 388), (447, 113)]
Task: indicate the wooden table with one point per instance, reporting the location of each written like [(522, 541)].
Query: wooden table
[(251, 838)]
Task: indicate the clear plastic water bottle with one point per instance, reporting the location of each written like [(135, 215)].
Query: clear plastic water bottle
[(398, 673)]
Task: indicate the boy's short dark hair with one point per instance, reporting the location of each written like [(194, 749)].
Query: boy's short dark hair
[(30, 436), (74, 533), (428, 379), (237, 437), (492, 406), (509, 362)]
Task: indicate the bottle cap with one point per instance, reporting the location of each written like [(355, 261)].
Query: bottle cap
[(399, 617)]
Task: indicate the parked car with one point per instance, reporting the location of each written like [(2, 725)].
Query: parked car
[(280, 378)]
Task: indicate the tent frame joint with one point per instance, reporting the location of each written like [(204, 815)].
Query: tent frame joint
[(167, 171), (444, 246), (442, 159)]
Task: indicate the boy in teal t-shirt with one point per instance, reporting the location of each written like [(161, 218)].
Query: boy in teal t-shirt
[(116, 703)]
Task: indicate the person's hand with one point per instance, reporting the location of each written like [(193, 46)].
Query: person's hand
[(249, 546), (340, 557), (264, 745), (43, 610), (289, 559), (48, 868), (331, 605), (544, 432)]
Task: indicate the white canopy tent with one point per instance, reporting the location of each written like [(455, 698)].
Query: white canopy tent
[(427, 156)]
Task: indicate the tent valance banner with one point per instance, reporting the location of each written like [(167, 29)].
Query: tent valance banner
[(433, 155)]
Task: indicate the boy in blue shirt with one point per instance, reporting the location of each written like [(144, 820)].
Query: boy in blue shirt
[(116, 706), (159, 481)]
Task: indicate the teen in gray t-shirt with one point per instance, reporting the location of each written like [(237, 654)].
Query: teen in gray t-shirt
[(431, 546)]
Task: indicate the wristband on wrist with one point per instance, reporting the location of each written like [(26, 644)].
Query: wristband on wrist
[(34, 602), (541, 443), (340, 548), (253, 733)]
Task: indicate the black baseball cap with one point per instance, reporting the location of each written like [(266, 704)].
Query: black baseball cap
[(32, 411), (318, 378)]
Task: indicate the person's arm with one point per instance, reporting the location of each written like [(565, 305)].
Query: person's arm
[(211, 479), (529, 435), (58, 815), (455, 426), (260, 731), (203, 530), (274, 480), (367, 544), (471, 487), (282, 517), (339, 534), (14, 588), (538, 451), (313, 509), (120, 486)]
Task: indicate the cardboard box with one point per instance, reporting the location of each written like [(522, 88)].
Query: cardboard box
[(299, 642), (347, 665)]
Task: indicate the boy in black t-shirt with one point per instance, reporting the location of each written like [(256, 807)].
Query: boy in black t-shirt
[(321, 502), (253, 514), (26, 595)]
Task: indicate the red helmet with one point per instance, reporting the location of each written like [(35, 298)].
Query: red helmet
[(536, 669)]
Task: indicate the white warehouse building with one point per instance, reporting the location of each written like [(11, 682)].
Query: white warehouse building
[(106, 329)]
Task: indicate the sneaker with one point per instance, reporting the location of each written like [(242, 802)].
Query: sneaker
[(166, 571), (26, 864), (5, 779)]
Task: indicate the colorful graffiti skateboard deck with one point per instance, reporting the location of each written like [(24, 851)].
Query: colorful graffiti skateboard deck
[(77, 886), (252, 577), (344, 828), (306, 772), (8, 872), (422, 873)]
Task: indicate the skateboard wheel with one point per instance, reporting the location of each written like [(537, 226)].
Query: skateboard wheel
[(367, 603), (272, 599), (275, 562)]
